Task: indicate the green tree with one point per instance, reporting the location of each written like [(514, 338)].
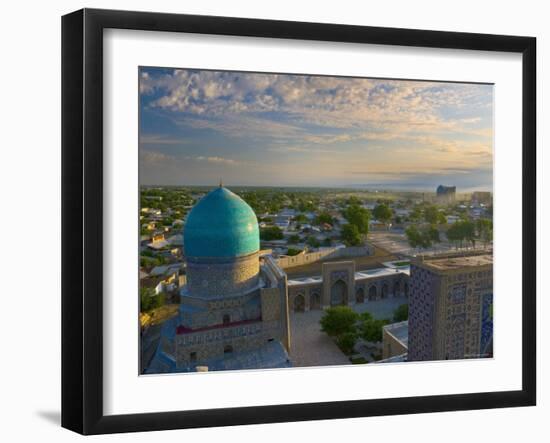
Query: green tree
[(300, 218), (324, 217), (469, 230), (416, 214), (484, 229), (146, 299), (370, 329), (293, 251), (351, 235), (313, 242), (462, 230), (339, 320), (294, 238), (455, 233), (433, 234), (346, 342), (383, 213), (401, 313), (417, 238), (422, 238), (271, 233), (431, 215), (353, 200), (358, 216)]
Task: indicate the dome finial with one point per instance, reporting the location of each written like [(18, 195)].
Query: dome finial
[(221, 184)]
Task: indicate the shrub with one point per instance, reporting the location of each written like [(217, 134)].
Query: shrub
[(401, 313), (346, 342), (339, 320)]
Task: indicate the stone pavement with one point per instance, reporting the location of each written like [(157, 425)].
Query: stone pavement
[(311, 347)]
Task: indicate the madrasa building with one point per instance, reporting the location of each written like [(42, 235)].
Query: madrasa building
[(235, 305)]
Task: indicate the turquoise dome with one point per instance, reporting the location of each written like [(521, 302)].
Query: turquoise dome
[(221, 224)]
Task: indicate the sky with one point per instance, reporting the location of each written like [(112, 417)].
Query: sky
[(255, 129)]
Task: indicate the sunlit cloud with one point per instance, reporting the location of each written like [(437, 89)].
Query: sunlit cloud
[(316, 129), (218, 160)]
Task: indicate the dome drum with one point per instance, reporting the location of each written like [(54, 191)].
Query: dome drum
[(213, 278)]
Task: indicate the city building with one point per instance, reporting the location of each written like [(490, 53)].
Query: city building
[(451, 307), (445, 194)]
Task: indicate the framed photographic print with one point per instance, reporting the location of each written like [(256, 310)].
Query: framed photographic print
[(269, 221)]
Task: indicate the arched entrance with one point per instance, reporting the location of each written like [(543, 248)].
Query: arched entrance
[(397, 289), (372, 293), (339, 293), (315, 301), (384, 293), (299, 303), (360, 295)]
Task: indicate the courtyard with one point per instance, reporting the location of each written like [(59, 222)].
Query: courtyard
[(311, 347)]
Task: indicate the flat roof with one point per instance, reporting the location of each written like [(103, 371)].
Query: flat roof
[(305, 280), (370, 273), (400, 331), (450, 263)]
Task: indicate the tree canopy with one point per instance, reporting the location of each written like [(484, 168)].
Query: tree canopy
[(313, 242), (462, 230), (370, 328), (271, 233), (351, 235), (148, 300), (401, 313), (358, 216), (339, 320), (422, 237), (433, 215), (324, 217), (484, 228), (294, 238), (383, 213)]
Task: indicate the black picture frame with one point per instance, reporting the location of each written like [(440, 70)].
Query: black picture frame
[(82, 219)]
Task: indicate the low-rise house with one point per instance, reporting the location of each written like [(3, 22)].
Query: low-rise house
[(158, 241), (150, 226)]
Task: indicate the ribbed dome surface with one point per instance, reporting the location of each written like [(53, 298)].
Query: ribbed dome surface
[(221, 225)]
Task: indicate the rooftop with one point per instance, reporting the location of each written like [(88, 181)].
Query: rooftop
[(370, 273), (400, 331)]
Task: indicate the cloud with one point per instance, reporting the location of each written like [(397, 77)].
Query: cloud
[(244, 126), (154, 157), (213, 159), (158, 139), (304, 149), (334, 124), (323, 101), (416, 172)]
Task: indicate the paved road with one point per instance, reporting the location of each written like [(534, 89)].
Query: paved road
[(311, 347)]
